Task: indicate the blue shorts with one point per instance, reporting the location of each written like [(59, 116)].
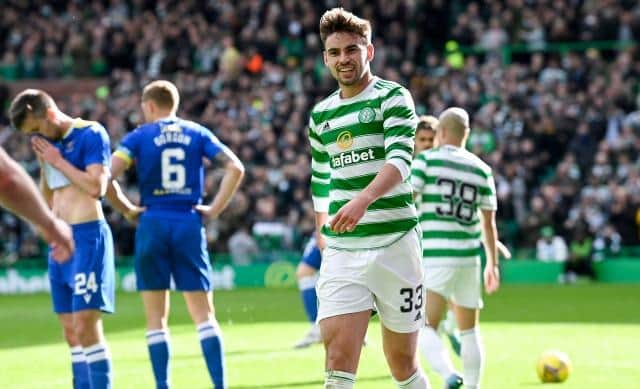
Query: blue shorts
[(172, 244), (312, 255), (87, 280)]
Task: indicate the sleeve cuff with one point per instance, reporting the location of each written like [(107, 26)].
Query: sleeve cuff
[(123, 155), (321, 204), (402, 167)]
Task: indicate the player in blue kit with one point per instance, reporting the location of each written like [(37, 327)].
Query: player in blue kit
[(307, 274), (74, 157), (168, 155)]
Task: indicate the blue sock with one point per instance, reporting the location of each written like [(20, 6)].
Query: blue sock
[(307, 287), (99, 362), (211, 342), (159, 353), (80, 369)]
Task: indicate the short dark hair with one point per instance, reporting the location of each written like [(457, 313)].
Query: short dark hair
[(339, 20), (29, 102)]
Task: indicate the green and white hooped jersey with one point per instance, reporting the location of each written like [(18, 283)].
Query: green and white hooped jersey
[(351, 139), (452, 184)]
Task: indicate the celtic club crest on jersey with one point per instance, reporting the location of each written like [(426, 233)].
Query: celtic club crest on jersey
[(366, 115)]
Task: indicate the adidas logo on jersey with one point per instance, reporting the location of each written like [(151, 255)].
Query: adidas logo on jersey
[(87, 298), (418, 316)]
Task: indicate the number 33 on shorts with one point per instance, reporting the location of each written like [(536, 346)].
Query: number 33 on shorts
[(412, 300)]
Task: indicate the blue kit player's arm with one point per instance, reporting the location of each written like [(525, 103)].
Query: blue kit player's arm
[(121, 160), (234, 171), (92, 180)]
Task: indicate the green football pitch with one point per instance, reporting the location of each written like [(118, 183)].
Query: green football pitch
[(598, 325)]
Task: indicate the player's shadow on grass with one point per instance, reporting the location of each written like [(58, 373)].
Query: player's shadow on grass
[(315, 383)]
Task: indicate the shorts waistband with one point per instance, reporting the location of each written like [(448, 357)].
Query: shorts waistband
[(164, 214), (182, 207), (88, 225)]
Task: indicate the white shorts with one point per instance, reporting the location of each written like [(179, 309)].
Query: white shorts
[(459, 284), (388, 279)]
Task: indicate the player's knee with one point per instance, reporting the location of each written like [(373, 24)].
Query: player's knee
[(86, 331), (70, 335), (342, 352), (402, 365), (342, 359)]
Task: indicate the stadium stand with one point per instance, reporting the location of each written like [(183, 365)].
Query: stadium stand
[(553, 89)]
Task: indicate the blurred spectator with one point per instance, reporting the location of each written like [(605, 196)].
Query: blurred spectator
[(606, 244), (551, 247), (623, 217), (580, 261), (242, 246), (538, 218)]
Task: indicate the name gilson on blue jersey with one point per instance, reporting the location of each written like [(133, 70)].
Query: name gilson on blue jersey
[(173, 137)]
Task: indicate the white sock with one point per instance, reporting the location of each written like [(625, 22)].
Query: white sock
[(307, 282), (97, 352), (157, 336), (335, 379), (472, 357), (77, 355), (417, 381), (435, 352)]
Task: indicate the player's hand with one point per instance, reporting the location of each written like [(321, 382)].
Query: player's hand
[(502, 249), (207, 211), (349, 215), (491, 279), (45, 151), (132, 215), (60, 239)]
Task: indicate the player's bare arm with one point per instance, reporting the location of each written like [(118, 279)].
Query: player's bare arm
[(234, 171), (490, 236), (502, 248), (117, 197), (93, 181), (348, 216), (321, 220)]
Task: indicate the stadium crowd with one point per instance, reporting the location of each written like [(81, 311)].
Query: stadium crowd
[(560, 129)]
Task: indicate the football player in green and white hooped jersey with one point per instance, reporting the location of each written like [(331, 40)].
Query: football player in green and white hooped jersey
[(426, 140), (453, 185), (361, 146)]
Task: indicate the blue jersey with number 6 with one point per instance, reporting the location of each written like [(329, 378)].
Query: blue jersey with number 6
[(168, 158), (170, 238)]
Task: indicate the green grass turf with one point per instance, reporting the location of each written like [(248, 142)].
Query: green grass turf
[(597, 325)]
